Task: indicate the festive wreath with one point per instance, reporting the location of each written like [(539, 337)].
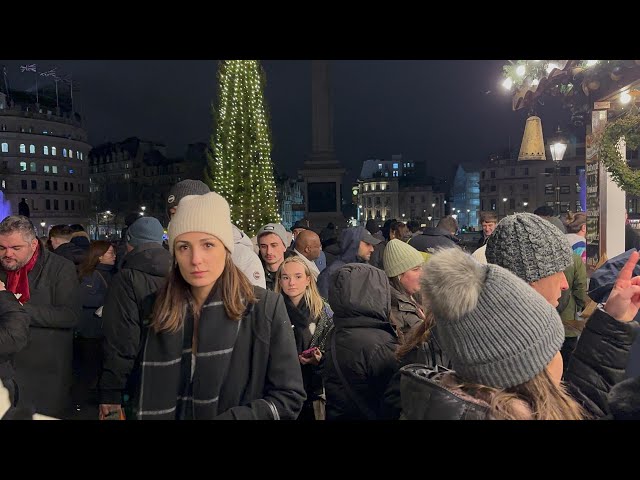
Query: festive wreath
[(627, 126)]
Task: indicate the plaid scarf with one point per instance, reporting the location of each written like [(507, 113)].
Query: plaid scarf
[(18, 281), (175, 383)]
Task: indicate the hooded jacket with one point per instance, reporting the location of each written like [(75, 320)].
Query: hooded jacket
[(433, 238), (245, 258), (365, 343), (349, 244), (143, 273)]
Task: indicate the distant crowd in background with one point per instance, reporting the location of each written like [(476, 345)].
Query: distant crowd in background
[(382, 321)]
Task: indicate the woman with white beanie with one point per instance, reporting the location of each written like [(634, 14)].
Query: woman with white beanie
[(217, 347)]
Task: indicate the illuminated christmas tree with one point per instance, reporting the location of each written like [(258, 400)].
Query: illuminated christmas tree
[(239, 158)]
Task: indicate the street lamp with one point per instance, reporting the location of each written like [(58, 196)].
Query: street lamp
[(143, 208), (525, 205), (43, 224), (558, 146), (429, 218), (504, 202)]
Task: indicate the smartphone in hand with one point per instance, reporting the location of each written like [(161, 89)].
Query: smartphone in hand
[(309, 352)]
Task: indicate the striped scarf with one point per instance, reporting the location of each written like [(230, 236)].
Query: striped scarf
[(175, 383)]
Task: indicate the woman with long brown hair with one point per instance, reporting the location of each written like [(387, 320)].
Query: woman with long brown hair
[(217, 347), (312, 322), (95, 277), (504, 341)]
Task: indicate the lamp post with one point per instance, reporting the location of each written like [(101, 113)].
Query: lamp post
[(43, 224), (433, 210), (468, 219), (504, 202), (143, 208), (429, 218), (558, 146)]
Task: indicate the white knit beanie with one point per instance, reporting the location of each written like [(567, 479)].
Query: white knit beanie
[(207, 213)]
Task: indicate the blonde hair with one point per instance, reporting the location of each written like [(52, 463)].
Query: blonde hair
[(537, 399), (169, 310), (311, 293)]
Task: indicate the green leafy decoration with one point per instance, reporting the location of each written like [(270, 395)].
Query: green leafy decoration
[(627, 126)]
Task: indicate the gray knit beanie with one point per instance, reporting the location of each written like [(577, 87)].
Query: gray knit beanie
[(496, 329), (145, 230), (529, 246), (184, 188)]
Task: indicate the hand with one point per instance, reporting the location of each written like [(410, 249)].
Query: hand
[(624, 300), (315, 360), (2, 286), (110, 410)]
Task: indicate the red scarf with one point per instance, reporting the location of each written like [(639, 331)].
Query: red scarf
[(18, 282)]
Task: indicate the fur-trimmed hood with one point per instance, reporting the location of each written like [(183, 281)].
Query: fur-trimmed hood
[(624, 400)]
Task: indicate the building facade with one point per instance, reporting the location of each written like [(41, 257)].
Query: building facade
[(465, 194), (508, 185), (399, 190), (132, 174), (44, 159), (290, 200)]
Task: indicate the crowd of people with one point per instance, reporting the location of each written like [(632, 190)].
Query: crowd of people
[(387, 321)]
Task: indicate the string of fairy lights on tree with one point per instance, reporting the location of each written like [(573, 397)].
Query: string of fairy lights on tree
[(239, 159)]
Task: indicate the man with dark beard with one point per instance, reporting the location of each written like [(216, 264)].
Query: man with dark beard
[(47, 286)]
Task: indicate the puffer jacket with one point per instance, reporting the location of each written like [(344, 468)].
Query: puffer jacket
[(597, 365), (143, 273), (93, 290), (72, 252), (246, 259), (433, 238), (600, 285), (365, 343), (349, 244)]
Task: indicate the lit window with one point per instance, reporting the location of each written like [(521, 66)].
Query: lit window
[(379, 166), (395, 165), (23, 148), (33, 166), (53, 151), (32, 149), (54, 169), (5, 147), (23, 166), (4, 184), (70, 153), (64, 152), (46, 150), (46, 169)]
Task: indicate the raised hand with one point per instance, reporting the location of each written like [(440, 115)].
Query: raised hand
[(624, 300)]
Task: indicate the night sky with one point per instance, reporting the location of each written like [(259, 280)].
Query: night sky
[(439, 111)]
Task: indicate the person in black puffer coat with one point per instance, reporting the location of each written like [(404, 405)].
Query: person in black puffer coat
[(143, 273), (60, 237), (441, 236), (363, 342)]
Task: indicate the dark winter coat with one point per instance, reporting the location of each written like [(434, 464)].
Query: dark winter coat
[(14, 333), (596, 366), (404, 311), (72, 252), (365, 343), (349, 244), (433, 238), (43, 367), (263, 380), (428, 355), (93, 290), (600, 286), (132, 289)]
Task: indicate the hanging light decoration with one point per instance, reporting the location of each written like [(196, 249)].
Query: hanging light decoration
[(532, 146)]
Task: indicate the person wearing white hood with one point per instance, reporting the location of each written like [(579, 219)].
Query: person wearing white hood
[(244, 256)]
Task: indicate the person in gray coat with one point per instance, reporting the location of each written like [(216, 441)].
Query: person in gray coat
[(48, 288)]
